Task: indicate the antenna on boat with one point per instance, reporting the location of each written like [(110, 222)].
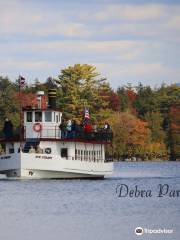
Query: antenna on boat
[(21, 81)]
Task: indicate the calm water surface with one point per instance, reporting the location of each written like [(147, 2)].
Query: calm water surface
[(89, 209)]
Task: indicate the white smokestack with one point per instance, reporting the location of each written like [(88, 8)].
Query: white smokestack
[(39, 95)]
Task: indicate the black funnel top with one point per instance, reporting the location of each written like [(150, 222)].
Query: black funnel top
[(52, 98)]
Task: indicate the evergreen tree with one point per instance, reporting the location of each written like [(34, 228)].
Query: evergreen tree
[(9, 107), (155, 123), (146, 100), (81, 86)]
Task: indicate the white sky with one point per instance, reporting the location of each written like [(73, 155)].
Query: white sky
[(128, 41)]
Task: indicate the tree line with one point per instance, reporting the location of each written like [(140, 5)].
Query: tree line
[(145, 121)]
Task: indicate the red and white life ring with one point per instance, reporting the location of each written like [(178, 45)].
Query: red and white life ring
[(37, 127)]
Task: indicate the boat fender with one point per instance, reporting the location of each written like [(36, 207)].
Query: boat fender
[(48, 150), (37, 127)]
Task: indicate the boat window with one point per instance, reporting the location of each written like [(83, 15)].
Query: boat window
[(29, 116), (81, 155), (38, 116), (48, 116), (85, 154), (75, 154), (64, 152), (56, 118), (11, 150)]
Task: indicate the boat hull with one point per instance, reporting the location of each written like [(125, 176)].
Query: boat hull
[(41, 166)]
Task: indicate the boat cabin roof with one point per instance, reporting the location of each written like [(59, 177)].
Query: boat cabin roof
[(30, 109)]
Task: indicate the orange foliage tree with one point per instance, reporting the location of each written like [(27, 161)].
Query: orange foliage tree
[(174, 131), (131, 135), (29, 99)]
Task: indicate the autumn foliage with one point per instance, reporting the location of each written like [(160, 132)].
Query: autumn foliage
[(30, 99), (131, 134), (145, 121), (174, 131)]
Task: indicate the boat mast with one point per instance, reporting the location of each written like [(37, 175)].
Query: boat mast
[(21, 81)]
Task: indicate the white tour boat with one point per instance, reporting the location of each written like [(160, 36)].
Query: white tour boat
[(43, 152)]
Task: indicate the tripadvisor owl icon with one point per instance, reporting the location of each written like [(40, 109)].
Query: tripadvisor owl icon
[(139, 231)]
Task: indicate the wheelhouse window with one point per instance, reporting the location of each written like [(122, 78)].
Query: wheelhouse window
[(38, 116), (48, 116), (56, 118), (29, 116)]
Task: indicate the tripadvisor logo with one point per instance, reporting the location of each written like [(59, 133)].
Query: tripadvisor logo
[(139, 231)]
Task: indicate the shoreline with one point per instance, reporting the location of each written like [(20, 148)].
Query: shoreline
[(153, 160)]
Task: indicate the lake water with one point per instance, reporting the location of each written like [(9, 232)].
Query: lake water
[(92, 209)]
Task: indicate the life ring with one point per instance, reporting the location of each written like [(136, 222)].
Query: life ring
[(37, 127), (48, 150)]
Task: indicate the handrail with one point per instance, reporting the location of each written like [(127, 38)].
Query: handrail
[(54, 132), (100, 135)]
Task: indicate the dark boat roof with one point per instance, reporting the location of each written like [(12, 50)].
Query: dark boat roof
[(29, 108)]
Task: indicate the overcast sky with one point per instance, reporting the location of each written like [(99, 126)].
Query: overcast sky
[(128, 41)]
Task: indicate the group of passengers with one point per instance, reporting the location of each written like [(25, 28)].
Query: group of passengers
[(72, 129)]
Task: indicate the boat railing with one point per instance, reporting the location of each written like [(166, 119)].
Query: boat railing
[(98, 135), (50, 132)]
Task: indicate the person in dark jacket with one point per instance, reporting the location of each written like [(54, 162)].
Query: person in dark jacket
[(74, 129), (62, 127), (8, 128)]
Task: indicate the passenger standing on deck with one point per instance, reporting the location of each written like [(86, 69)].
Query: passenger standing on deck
[(87, 127), (106, 126), (69, 128), (62, 128), (73, 129), (8, 128), (95, 127), (106, 130)]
